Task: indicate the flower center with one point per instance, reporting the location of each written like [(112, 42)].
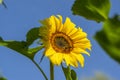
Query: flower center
[(61, 42)]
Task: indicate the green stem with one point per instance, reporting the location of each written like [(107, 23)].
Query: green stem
[(51, 71), (40, 70)]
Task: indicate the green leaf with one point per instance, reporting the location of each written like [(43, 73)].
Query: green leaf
[(69, 74), (21, 47), (97, 10), (1, 78), (32, 35), (74, 75), (109, 37)]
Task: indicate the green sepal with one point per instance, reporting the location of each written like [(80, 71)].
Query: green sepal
[(97, 10)]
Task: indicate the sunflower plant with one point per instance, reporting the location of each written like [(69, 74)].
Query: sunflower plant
[(63, 44)]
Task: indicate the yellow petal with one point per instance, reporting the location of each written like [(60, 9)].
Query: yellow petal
[(84, 40), (52, 24), (79, 50), (72, 32), (60, 25), (82, 45), (80, 58), (45, 22), (68, 26), (73, 61), (67, 59), (70, 60), (49, 51), (78, 35), (56, 58)]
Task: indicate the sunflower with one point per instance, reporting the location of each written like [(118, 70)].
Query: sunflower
[(63, 42)]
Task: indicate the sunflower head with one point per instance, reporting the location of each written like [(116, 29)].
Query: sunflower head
[(63, 41)]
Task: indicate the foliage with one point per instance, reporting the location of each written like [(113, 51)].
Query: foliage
[(69, 74), (109, 38), (23, 46), (1, 78), (97, 10)]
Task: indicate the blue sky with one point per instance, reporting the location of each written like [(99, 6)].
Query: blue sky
[(22, 15)]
